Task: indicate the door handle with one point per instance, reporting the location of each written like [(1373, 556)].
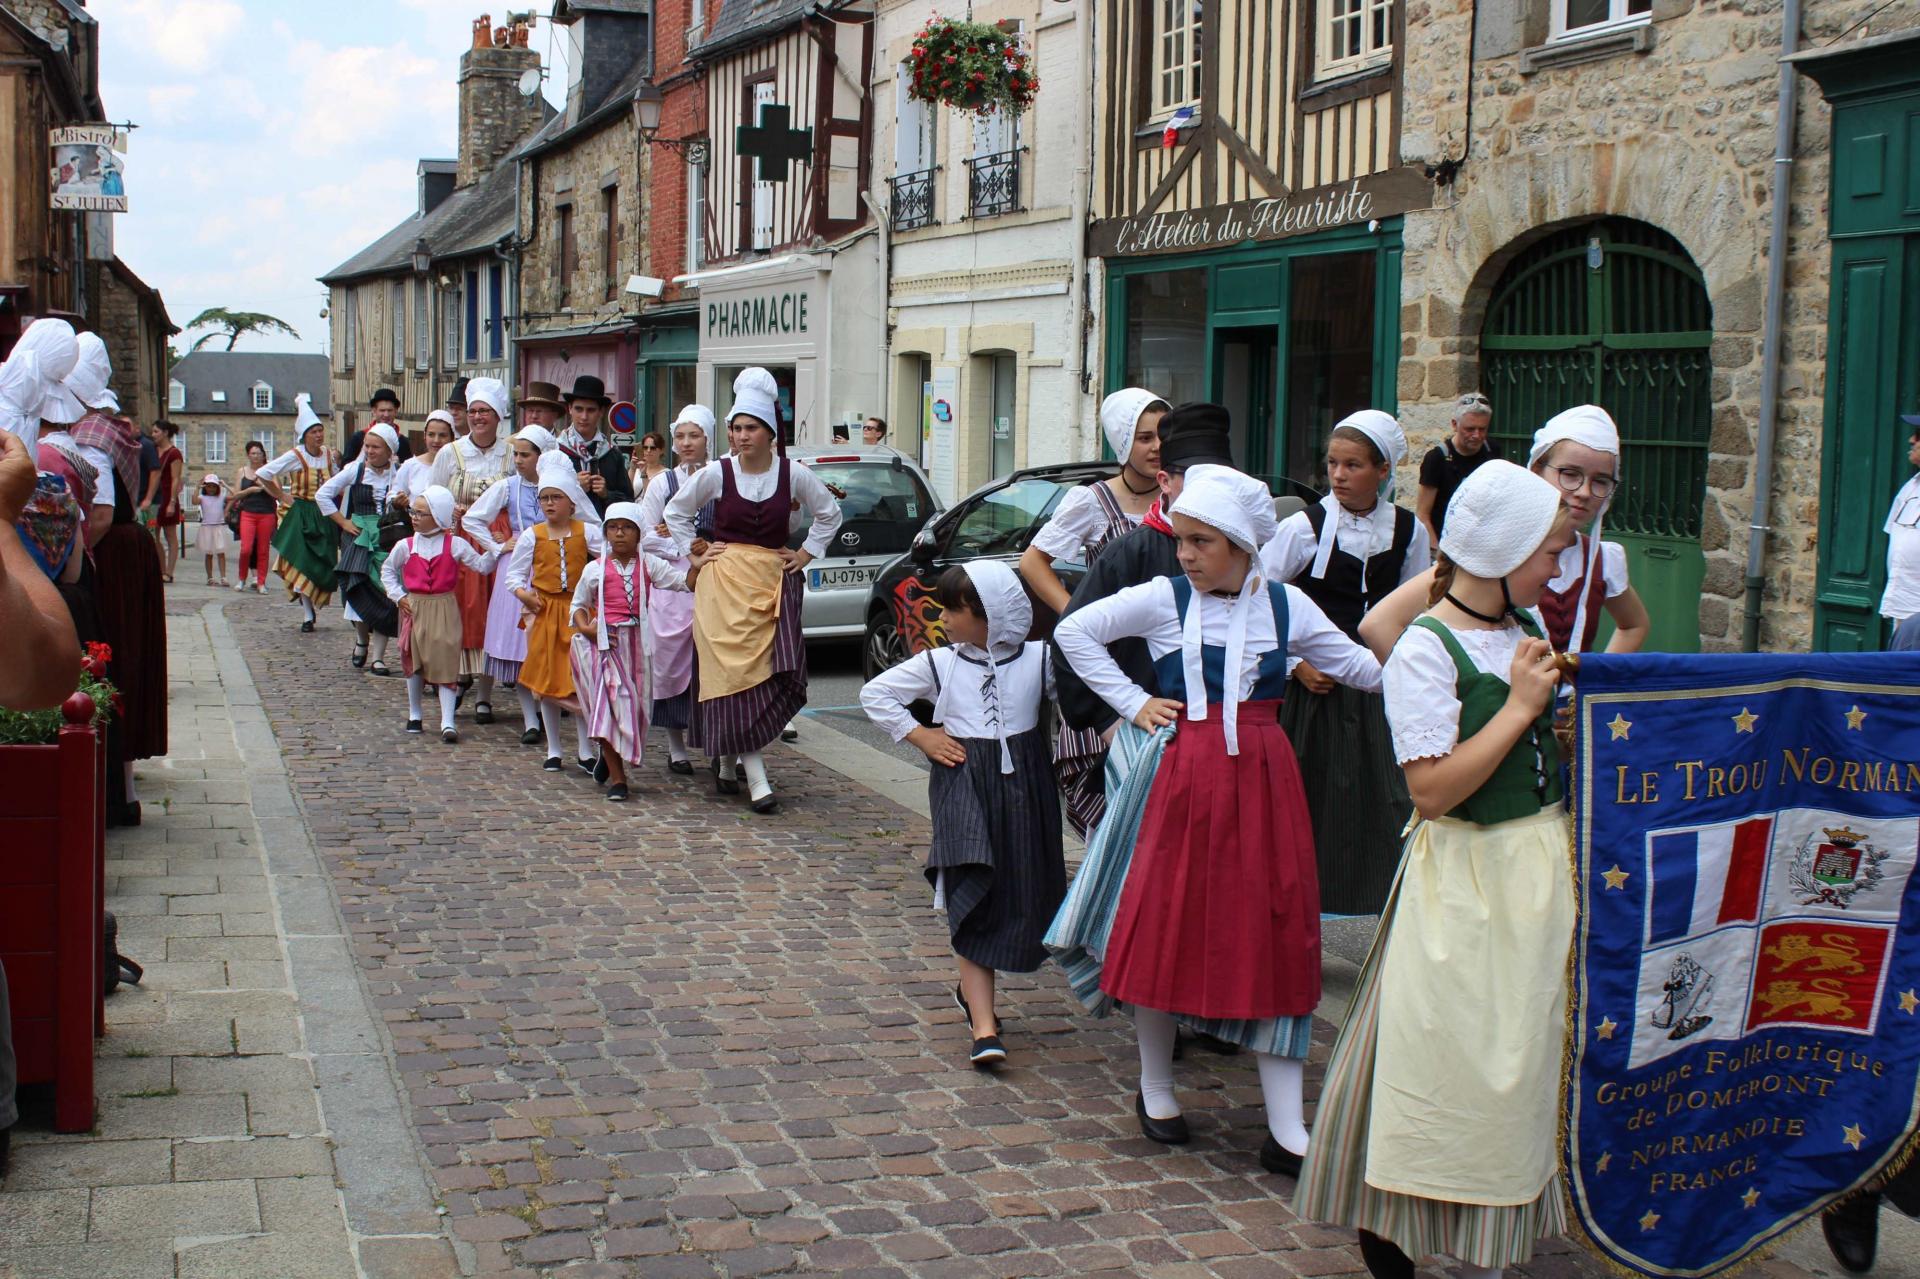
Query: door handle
[(1661, 553)]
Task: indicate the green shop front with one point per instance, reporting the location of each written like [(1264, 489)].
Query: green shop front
[(1290, 333), (666, 365), (1873, 322)]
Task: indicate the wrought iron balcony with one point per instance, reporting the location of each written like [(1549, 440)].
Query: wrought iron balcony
[(913, 199), (993, 184)]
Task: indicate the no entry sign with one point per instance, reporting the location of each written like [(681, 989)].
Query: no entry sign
[(621, 418)]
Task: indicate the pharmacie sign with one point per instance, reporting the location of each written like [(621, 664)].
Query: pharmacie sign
[(1270, 218), (773, 313)]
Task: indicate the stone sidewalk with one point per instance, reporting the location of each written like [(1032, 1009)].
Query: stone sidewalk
[(249, 1120)]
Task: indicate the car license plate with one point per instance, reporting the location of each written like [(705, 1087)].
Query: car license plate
[(833, 579)]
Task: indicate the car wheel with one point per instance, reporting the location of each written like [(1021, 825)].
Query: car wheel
[(883, 648)]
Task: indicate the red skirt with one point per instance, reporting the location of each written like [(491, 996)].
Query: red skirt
[(1220, 915), (474, 591)]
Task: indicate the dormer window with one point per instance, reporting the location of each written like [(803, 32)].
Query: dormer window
[(176, 397), (219, 397), (262, 398)]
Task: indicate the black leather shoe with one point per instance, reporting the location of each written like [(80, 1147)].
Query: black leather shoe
[(680, 766), (767, 803), (988, 1053), (483, 712), (553, 764), (723, 785), (449, 736), (414, 726), (1852, 1228), (1168, 1132), (617, 793), (1278, 1160), (789, 734), (600, 771), (530, 738), (587, 766), (306, 628), (1384, 1258)]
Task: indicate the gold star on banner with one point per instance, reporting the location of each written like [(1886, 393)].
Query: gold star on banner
[(1616, 878), (1600, 1164), (1854, 718), (1853, 1136), (1620, 725), (1749, 1199), (1606, 1028), (1649, 1221), (1744, 721), (1909, 1001)]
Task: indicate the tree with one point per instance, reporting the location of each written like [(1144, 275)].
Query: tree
[(234, 325)]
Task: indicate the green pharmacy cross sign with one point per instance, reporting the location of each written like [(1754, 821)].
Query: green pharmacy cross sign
[(774, 143)]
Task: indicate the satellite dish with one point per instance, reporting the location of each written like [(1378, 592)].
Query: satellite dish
[(530, 81)]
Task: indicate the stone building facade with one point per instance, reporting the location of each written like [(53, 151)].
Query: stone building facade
[(221, 400), (1665, 122), (131, 319)]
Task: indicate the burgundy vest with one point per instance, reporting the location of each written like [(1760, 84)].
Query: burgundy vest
[(1557, 608), (737, 519)]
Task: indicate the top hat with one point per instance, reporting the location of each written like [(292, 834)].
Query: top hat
[(458, 395), (588, 387), (386, 393), (1195, 433), (544, 394)]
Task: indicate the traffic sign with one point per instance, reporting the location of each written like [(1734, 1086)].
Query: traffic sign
[(622, 420)]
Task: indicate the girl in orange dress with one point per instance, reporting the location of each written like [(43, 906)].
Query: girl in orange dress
[(546, 566)]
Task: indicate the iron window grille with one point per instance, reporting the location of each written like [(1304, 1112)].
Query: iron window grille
[(993, 184), (913, 199)]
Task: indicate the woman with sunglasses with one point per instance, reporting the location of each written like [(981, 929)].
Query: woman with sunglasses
[(649, 460)]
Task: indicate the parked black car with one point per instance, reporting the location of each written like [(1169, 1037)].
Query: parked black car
[(996, 521)]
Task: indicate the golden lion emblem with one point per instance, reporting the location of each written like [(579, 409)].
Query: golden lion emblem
[(1821, 997), (1835, 953)]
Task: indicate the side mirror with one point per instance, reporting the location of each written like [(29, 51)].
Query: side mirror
[(923, 548)]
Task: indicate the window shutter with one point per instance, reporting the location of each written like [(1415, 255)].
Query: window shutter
[(763, 95), (913, 128)]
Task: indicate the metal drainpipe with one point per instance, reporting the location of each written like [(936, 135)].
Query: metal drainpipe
[(1771, 337), (1082, 182)]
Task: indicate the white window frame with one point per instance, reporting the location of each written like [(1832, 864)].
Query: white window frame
[(915, 128), (218, 397), (176, 397), (452, 316), (696, 216), (1374, 17), (696, 21), (422, 327), (214, 435), (1618, 19), (1176, 75), (262, 398)]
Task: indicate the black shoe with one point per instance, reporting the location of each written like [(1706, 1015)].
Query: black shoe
[(530, 738), (414, 726), (617, 793), (1278, 1160), (124, 814), (681, 766), (483, 712), (1903, 1189), (988, 1053), (306, 628), (1852, 1228), (449, 736), (600, 771), (723, 785), (789, 734), (6, 1150), (586, 766), (553, 764), (359, 658), (1168, 1132), (1384, 1258), (960, 1002), (379, 667), (767, 803)]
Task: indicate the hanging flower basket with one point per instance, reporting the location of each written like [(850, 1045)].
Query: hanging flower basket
[(977, 67), (42, 728)]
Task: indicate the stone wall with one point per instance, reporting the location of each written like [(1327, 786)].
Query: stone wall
[(1680, 135), (494, 115), (45, 18), (576, 173)]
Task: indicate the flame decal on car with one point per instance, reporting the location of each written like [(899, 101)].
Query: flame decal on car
[(917, 615)]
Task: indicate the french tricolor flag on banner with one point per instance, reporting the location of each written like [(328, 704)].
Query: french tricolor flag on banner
[(1180, 120), (1706, 877)]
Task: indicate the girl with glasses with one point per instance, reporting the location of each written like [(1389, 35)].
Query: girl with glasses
[(1579, 452)]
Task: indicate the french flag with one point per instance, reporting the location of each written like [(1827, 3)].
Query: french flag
[(1180, 120), (1706, 877)]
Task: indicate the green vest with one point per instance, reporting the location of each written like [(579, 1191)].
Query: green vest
[(1517, 787)]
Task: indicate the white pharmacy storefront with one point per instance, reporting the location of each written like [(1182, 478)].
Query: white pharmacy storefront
[(815, 320)]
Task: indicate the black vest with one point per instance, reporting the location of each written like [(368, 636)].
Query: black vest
[(1346, 592)]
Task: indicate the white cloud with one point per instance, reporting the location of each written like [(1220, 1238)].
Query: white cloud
[(183, 35)]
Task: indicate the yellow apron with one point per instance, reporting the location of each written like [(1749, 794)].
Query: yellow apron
[(736, 610)]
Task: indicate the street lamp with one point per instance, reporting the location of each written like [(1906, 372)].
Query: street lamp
[(422, 258), (648, 105)]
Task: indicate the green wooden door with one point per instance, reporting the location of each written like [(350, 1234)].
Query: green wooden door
[(1615, 313)]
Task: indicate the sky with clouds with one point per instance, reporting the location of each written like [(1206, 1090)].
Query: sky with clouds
[(276, 138)]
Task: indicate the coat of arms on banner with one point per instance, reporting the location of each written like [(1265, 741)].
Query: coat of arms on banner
[(1745, 1027)]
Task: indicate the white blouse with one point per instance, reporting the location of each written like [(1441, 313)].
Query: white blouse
[(1291, 551), (1421, 685), (104, 487), (334, 491), (428, 545), (660, 572), (967, 706), (487, 464), (416, 476), (504, 496), (520, 565), (1613, 567), (708, 483), (1077, 523), (653, 507), (290, 461), (1149, 612)]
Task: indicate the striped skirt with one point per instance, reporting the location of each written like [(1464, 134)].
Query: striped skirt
[(997, 851), (1333, 1183), (307, 544), (752, 718), (1082, 926), (506, 640), (1356, 793), (612, 687), (1079, 762)]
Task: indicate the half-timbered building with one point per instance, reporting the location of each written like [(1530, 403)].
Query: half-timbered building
[(793, 276)]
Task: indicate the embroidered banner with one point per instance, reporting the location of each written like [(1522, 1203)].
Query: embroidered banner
[(1745, 1028)]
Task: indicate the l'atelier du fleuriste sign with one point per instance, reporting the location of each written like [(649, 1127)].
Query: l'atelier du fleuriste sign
[(1321, 209)]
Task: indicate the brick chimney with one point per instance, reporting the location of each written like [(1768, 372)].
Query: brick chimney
[(494, 114)]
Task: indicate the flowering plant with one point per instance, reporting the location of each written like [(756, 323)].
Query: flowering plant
[(42, 728), (972, 66)]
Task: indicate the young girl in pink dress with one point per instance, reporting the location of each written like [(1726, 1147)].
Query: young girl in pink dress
[(420, 575)]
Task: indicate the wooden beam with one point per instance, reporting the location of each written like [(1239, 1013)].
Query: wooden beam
[(1269, 183), (1159, 194)]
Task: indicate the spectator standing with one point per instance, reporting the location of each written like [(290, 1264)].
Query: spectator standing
[(258, 516), (1454, 459), (874, 431)]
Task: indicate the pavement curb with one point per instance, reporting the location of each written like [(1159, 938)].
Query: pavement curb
[(380, 1167)]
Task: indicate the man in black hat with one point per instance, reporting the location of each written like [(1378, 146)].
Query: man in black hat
[(603, 470), (383, 408), (457, 405)]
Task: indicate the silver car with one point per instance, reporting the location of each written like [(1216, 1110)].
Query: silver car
[(884, 500)]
